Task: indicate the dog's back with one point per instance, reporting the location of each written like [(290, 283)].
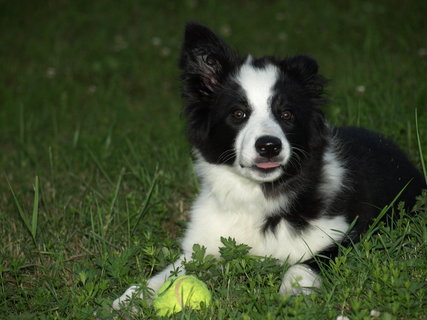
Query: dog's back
[(380, 173)]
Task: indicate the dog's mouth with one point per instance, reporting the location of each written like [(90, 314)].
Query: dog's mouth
[(266, 168), (267, 165), (263, 169)]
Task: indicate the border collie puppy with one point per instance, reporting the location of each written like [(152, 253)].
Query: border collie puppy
[(273, 174)]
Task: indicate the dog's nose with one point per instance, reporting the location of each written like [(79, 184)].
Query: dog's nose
[(268, 146)]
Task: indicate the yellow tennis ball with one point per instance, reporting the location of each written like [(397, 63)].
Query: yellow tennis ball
[(181, 292)]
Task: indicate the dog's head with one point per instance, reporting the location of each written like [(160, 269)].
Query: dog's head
[(258, 115)]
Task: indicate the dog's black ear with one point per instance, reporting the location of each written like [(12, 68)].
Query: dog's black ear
[(205, 61), (301, 68), (305, 70)]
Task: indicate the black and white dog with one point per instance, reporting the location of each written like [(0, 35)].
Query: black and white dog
[(273, 174)]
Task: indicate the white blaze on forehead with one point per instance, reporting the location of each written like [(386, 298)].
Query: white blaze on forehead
[(258, 86), (257, 83)]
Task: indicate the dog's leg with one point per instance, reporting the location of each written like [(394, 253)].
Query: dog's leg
[(299, 279), (154, 284)]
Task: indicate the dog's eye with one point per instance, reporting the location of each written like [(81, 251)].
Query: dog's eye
[(209, 60), (239, 114), (286, 115)]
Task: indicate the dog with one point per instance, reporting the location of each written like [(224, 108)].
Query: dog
[(274, 175)]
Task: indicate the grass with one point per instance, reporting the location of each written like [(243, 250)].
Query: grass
[(96, 174)]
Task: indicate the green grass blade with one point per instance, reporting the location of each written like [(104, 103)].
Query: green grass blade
[(35, 215), (114, 200), (146, 202), (99, 165), (420, 149), (116, 191), (374, 225), (100, 238), (20, 210)]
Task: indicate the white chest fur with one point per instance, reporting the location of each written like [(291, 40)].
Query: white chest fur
[(232, 206)]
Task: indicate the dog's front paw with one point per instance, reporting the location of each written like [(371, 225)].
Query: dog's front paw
[(299, 279), (137, 292), (145, 292), (131, 293)]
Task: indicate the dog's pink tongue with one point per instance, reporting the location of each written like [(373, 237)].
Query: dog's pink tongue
[(268, 165)]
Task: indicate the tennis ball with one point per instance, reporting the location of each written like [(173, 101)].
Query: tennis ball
[(180, 292)]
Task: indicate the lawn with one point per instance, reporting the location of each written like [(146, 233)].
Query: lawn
[(96, 174)]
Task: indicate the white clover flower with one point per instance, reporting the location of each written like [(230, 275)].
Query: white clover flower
[(360, 89), (422, 52), (50, 72), (119, 43), (375, 313), (282, 36), (225, 31), (280, 16), (165, 51), (156, 41), (91, 89)]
